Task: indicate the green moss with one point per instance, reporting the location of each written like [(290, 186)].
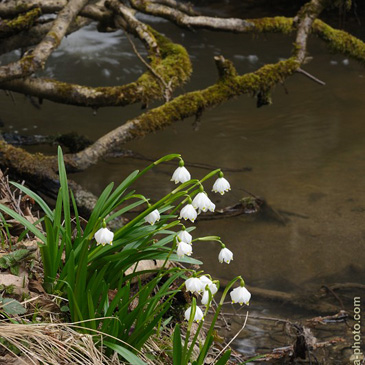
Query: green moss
[(189, 104), (277, 24), (25, 163), (173, 64), (20, 23), (340, 41)]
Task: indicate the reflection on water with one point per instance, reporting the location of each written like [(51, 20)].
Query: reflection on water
[(306, 152)]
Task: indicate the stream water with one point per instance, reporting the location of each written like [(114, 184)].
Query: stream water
[(306, 151)]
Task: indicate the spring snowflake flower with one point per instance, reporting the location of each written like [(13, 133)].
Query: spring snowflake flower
[(103, 236), (240, 295), (221, 186), (198, 314), (203, 203), (183, 249), (188, 212), (185, 236), (225, 255), (153, 217), (181, 174), (194, 285)]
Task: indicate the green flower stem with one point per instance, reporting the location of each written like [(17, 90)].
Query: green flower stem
[(211, 328), (188, 355), (187, 335)]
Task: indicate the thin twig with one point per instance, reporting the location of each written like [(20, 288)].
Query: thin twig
[(313, 78), (167, 87), (233, 338)]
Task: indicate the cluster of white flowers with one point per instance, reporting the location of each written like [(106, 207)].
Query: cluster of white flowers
[(201, 203), (209, 288)]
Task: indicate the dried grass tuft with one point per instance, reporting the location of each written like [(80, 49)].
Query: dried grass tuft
[(54, 344)]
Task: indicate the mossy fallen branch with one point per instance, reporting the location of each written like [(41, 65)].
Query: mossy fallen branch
[(18, 24), (340, 41), (168, 59)]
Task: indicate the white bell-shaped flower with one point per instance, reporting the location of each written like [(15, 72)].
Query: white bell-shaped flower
[(183, 249), (203, 203), (221, 186), (225, 255), (185, 236), (103, 236), (181, 174), (198, 314), (188, 212), (153, 217), (240, 295), (205, 298), (194, 285)]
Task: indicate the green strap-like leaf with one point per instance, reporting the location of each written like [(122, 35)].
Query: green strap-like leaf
[(126, 354)]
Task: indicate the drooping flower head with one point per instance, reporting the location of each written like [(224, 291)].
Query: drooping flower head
[(103, 236), (225, 255), (181, 174), (240, 295), (188, 212), (198, 314), (201, 202), (221, 185), (185, 236), (153, 217), (183, 249)]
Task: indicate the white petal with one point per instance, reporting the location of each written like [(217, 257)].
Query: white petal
[(194, 285), (181, 174), (205, 280), (221, 186), (240, 295), (185, 236), (202, 202), (104, 236), (225, 255), (205, 298), (198, 314), (213, 288), (153, 217), (188, 212), (184, 249)]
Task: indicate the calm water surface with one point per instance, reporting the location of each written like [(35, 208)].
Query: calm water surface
[(306, 151)]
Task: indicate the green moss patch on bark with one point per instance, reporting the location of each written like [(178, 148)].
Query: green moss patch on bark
[(340, 41), (18, 24), (27, 164), (277, 24), (191, 103)]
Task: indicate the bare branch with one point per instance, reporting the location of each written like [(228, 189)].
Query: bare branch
[(313, 78)]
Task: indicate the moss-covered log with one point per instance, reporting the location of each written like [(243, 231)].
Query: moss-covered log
[(171, 60), (340, 41), (19, 24), (189, 104)]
